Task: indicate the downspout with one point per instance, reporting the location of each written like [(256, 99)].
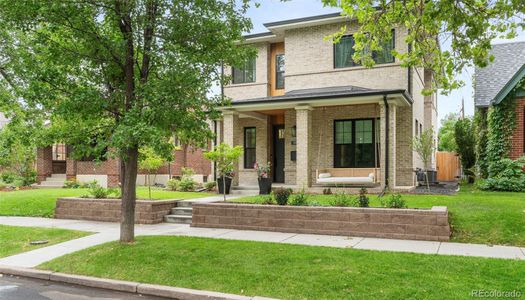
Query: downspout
[(387, 133)]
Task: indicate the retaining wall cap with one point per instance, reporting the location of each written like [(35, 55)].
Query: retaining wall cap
[(25, 272), (439, 208), (185, 294), (163, 201), (110, 284)]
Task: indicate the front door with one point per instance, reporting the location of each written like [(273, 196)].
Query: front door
[(278, 153)]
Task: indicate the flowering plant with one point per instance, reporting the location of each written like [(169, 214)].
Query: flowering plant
[(263, 171)]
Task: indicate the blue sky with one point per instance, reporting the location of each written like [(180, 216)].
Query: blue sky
[(275, 10)]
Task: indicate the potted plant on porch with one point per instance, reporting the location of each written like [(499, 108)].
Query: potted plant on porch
[(225, 158), (263, 177)]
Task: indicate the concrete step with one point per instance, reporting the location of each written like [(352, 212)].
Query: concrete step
[(52, 183), (181, 211), (245, 187), (54, 179), (50, 186), (63, 176), (184, 204), (244, 192), (177, 219)]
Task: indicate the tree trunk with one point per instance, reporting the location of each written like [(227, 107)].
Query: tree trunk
[(129, 196)]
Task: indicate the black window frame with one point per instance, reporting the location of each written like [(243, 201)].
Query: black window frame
[(244, 69), (374, 53), (253, 150), (277, 86), (353, 164)]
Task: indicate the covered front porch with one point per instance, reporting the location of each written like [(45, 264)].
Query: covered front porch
[(314, 143)]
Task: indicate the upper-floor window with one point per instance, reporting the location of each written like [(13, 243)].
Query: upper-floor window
[(244, 73), (344, 50), (279, 71)]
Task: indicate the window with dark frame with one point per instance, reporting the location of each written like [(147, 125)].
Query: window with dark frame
[(355, 143), (344, 50), (279, 71), (249, 147), (244, 73), (417, 128)]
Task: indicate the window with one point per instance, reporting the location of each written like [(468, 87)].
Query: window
[(279, 71), (344, 50), (244, 73), (354, 144), (249, 147)]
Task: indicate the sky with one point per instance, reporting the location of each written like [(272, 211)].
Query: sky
[(275, 10)]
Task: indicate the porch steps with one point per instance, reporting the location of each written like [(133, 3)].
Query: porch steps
[(52, 182), (180, 214)]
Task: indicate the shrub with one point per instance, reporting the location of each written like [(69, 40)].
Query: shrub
[(342, 199), (314, 203), (98, 192), (173, 184), (393, 201), (281, 195), (505, 175), (8, 177), (186, 184), (210, 185), (71, 184), (268, 199), (362, 199), (300, 199)]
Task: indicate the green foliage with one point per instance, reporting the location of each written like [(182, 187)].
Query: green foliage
[(394, 200), (465, 136), (268, 200), (446, 138), (362, 199), (173, 184), (16, 180), (71, 184), (210, 185), (149, 160), (342, 199), (299, 199), (98, 192), (481, 128), (471, 25), (281, 195), (501, 124), (186, 184), (424, 146), (226, 157), (506, 175)]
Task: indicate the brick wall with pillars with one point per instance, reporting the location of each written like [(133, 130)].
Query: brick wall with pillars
[(304, 138), (231, 135), (44, 163), (71, 169), (392, 111), (518, 143)]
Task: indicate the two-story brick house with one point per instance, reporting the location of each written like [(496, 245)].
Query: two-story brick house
[(320, 119)]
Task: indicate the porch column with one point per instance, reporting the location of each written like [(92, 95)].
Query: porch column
[(391, 147), (304, 134), (44, 163), (230, 125)]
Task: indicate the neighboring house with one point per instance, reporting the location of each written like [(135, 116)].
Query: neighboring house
[(307, 108), (55, 162), (495, 82)]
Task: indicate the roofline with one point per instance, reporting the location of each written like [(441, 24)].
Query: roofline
[(509, 85), (281, 99), (301, 20), (258, 35)]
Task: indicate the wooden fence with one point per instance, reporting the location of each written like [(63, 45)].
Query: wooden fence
[(448, 166)]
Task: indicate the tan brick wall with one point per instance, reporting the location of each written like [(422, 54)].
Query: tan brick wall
[(109, 210), (248, 176), (413, 224)]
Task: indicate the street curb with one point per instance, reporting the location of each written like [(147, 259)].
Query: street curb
[(125, 286)]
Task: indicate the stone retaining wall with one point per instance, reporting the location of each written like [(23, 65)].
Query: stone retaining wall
[(413, 224), (108, 210)]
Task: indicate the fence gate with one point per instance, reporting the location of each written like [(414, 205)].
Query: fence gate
[(448, 166)]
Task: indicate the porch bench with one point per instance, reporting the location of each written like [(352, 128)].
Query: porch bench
[(356, 176)]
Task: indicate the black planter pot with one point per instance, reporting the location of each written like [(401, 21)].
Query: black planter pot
[(431, 174), (265, 186), (221, 185)]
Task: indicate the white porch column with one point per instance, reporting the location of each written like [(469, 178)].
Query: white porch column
[(230, 125), (391, 147), (304, 134)]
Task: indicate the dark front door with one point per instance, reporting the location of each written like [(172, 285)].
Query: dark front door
[(278, 153)]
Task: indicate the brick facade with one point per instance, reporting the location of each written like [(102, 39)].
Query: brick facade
[(518, 138), (415, 224), (109, 210)]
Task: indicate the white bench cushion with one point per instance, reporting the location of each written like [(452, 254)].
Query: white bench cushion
[(325, 175), (346, 180)]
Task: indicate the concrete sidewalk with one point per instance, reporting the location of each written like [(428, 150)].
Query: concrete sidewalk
[(105, 232)]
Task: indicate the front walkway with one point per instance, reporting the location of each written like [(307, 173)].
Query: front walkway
[(106, 232)]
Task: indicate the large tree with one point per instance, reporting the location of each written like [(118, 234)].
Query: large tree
[(446, 134), (119, 74), (468, 26)]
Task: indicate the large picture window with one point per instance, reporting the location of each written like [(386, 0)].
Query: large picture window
[(344, 50), (355, 144), (244, 73), (249, 147)]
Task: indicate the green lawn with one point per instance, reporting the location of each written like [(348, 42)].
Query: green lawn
[(41, 202), (293, 271), (475, 216), (15, 239)]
